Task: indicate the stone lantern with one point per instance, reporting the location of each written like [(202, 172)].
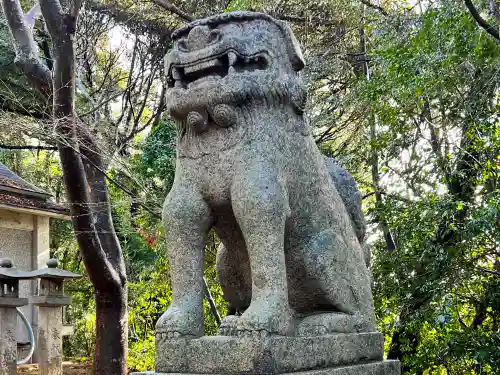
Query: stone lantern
[(50, 301), (9, 302)]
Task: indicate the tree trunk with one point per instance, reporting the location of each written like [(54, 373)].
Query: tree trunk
[(111, 302), (84, 179), (86, 187), (111, 332)]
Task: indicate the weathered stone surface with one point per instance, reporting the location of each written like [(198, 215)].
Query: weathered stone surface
[(369, 368), (264, 354), (349, 192), (292, 261), (248, 167), (8, 342), (351, 197), (13, 302), (49, 341), (50, 301)]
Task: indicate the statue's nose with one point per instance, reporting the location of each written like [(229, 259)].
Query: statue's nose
[(202, 36)]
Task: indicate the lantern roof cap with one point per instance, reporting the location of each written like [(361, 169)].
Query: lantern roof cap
[(52, 272), (8, 271)]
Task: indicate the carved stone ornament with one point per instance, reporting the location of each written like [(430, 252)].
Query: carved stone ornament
[(292, 264)]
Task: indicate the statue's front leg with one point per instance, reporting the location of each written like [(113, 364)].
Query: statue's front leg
[(187, 220), (260, 205)]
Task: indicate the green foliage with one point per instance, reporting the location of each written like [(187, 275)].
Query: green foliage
[(155, 165), (141, 354), (422, 130), (433, 91), (82, 343)]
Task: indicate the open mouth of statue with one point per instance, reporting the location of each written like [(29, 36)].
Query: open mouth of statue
[(215, 68)]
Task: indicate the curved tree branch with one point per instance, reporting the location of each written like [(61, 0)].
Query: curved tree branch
[(375, 6), (27, 57), (134, 20), (481, 21), (27, 147), (167, 5)]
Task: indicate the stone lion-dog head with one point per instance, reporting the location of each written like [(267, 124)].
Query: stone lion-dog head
[(219, 67)]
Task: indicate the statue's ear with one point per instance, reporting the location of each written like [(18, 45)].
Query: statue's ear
[(293, 46)]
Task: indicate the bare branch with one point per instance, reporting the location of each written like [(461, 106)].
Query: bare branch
[(90, 153), (134, 20), (15, 147), (101, 104), (496, 273), (298, 20), (211, 302), (7, 105), (375, 6), (481, 21), (494, 10), (27, 57), (390, 195), (167, 5)]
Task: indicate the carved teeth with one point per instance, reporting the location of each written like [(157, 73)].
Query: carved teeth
[(195, 73), (201, 66), (176, 74), (232, 58)]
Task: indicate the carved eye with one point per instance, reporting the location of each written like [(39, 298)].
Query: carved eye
[(182, 45)]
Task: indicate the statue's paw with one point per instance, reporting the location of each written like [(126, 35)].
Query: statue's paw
[(178, 322), (228, 326), (169, 335), (266, 317), (254, 335), (328, 323)]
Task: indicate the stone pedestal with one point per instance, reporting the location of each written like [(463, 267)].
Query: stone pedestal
[(369, 368), (357, 353), (8, 330)]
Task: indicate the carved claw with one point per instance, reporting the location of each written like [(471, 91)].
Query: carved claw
[(228, 326), (254, 335), (274, 317), (177, 322)]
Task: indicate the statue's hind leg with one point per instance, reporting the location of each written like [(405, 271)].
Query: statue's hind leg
[(342, 275)]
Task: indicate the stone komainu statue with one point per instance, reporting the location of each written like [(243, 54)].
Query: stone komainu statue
[(350, 195), (292, 259)]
